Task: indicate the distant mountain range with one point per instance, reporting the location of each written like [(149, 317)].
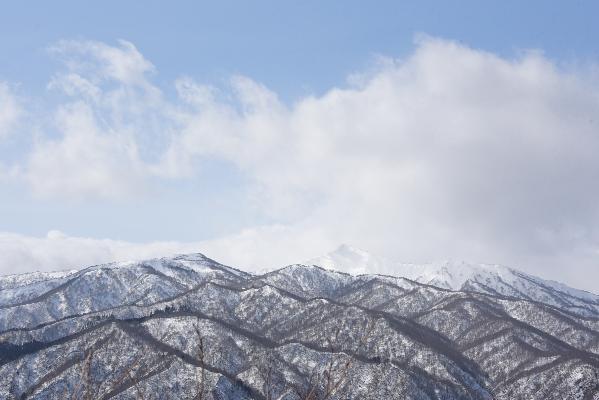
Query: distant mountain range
[(188, 327), (461, 276)]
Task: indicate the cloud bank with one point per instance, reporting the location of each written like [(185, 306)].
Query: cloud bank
[(451, 152), (252, 249)]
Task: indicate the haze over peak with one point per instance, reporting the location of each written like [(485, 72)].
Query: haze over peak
[(350, 259), (450, 274)]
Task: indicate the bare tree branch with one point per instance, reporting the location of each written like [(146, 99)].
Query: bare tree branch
[(200, 355)]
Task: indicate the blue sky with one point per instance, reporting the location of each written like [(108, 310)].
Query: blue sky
[(295, 48), (249, 130)]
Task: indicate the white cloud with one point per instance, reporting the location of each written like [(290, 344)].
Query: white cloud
[(253, 249), (103, 62), (111, 117), (86, 161), (449, 152), (452, 152), (10, 110), (58, 252)]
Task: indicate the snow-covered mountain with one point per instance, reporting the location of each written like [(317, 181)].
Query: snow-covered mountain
[(484, 278), (188, 327)]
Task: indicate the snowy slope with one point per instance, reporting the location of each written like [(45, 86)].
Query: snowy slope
[(133, 330), (484, 278)]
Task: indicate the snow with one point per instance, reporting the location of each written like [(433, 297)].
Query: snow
[(461, 275), (447, 274), (291, 312)]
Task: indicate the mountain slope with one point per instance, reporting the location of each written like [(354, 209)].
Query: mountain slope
[(176, 327), (483, 278)]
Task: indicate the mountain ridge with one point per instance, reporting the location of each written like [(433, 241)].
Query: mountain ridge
[(457, 275), (275, 335)]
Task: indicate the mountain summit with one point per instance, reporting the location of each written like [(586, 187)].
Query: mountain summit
[(462, 276)]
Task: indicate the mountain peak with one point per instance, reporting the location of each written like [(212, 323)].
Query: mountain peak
[(349, 259), (454, 275)]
